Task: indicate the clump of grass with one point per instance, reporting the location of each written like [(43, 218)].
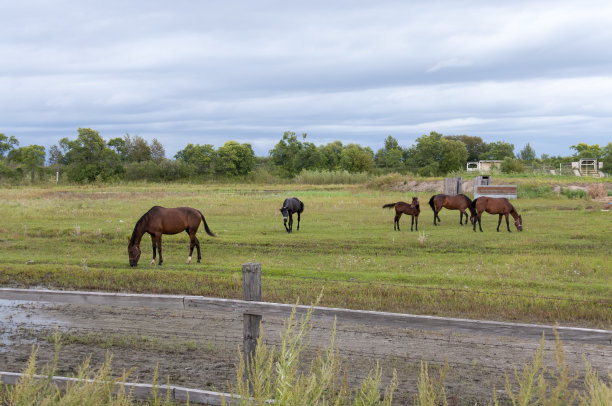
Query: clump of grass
[(274, 375), (573, 193), (431, 391), (596, 191), (314, 177), (90, 387)]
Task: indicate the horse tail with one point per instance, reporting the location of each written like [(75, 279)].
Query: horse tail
[(301, 205), (206, 225), (388, 206), (431, 203), (473, 205)]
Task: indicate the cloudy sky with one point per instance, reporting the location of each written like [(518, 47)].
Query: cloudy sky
[(206, 72)]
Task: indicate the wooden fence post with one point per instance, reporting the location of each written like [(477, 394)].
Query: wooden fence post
[(251, 290)]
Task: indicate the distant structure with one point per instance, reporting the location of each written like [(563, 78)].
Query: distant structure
[(483, 166), (483, 187), (588, 167)]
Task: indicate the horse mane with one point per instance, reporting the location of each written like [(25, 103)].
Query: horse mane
[(141, 220)]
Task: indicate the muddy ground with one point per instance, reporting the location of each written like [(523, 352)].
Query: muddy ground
[(199, 349)]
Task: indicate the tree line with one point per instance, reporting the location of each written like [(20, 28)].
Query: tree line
[(89, 158)]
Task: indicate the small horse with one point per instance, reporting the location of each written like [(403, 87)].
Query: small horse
[(457, 202), (496, 205), (160, 220), (290, 206), (412, 209)]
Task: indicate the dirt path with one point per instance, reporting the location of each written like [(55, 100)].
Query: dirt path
[(199, 349)]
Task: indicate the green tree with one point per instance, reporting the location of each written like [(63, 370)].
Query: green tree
[(512, 165), (498, 150), (391, 156), (330, 155), (434, 155), (290, 155), (235, 159), (475, 145), (587, 151), (31, 157), (606, 158), (201, 157), (527, 153), (158, 153), (56, 157), (7, 144), (354, 158), (88, 158), (131, 149)]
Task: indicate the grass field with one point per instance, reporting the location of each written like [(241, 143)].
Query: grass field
[(557, 270)]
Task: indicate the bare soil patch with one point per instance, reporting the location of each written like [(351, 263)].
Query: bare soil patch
[(199, 349)]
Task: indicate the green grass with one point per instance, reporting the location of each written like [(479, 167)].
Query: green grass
[(557, 270)]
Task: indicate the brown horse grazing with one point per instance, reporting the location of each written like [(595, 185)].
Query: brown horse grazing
[(457, 202), (160, 220), (412, 209), (496, 205)]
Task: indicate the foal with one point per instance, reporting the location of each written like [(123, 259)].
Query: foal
[(290, 206), (404, 208)]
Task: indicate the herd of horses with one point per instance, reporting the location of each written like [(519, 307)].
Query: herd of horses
[(160, 220)]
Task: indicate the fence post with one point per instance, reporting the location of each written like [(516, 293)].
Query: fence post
[(251, 290)]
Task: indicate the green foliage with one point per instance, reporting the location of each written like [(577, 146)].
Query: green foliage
[(573, 193), (511, 165), (290, 155), (354, 158), (89, 388), (584, 150), (391, 157), (314, 177), (498, 150), (31, 157), (434, 155), (431, 392), (234, 159), (89, 159), (275, 375), (527, 153), (7, 143), (201, 157), (607, 158), (475, 145), (330, 155)]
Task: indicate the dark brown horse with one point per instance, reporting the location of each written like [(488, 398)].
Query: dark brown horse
[(160, 220), (411, 209), (291, 206), (457, 202), (496, 205)]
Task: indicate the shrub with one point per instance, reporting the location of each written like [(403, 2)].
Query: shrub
[(573, 193), (596, 191)]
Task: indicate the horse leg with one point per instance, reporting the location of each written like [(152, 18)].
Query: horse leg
[(159, 249), (192, 244), (477, 220), (291, 222), (499, 222), (435, 215), (154, 249), (298, 227), (461, 213), (396, 221), (507, 223)]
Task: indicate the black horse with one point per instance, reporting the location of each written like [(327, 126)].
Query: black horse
[(290, 206)]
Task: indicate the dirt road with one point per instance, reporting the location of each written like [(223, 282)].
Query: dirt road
[(199, 349)]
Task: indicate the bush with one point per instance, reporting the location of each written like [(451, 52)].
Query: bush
[(597, 191), (573, 193), (315, 177), (533, 191), (511, 165)]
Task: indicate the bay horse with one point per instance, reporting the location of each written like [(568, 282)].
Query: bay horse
[(160, 220), (496, 205), (290, 206), (411, 209), (457, 202)]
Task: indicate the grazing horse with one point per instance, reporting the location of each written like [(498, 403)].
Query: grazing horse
[(160, 220), (290, 206), (496, 205), (457, 202), (412, 209)]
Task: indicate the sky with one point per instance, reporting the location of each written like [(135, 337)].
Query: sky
[(206, 72)]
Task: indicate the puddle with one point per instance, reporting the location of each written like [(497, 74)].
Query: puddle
[(17, 314)]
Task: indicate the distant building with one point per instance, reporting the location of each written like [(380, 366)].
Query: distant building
[(483, 166), (588, 167)]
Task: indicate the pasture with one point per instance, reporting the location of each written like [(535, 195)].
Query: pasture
[(557, 270)]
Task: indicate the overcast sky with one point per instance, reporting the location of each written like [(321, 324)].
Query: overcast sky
[(205, 72)]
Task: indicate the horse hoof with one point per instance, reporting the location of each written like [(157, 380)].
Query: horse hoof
[(188, 260), (153, 262)]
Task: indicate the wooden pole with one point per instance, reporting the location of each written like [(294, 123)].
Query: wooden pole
[(251, 291)]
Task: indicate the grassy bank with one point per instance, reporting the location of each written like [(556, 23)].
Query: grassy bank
[(556, 270)]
